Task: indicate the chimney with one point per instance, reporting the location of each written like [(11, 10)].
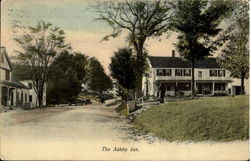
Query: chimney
[(173, 53)]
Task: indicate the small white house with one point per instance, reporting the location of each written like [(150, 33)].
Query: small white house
[(32, 97)]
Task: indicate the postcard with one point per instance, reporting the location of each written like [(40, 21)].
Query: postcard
[(124, 80)]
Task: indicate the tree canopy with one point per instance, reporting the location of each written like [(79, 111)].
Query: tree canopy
[(197, 23), (39, 45), (235, 55), (141, 20), (122, 68), (97, 78), (67, 73)]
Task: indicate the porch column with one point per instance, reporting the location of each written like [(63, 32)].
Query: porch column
[(176, 87), (195, 87), (226, 88), (213, 89), (14, 97), (8, 96)]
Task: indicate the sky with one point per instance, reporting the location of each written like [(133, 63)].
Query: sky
[(78, 19)]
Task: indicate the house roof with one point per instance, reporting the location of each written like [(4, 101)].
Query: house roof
[(13, 83), (3, 50), (177, 62)]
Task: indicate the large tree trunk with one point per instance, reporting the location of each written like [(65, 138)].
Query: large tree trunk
[(140, 65), (193, 80), (139, 86), (242, 83), (40, 94)]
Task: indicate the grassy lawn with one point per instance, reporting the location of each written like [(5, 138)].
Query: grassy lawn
[(85, 96), (214, 118)]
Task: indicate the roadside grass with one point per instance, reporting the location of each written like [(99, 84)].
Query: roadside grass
[(204, 119), (86, 96), (122, 109)]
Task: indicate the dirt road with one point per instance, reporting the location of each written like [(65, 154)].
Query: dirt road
[(96, 132)]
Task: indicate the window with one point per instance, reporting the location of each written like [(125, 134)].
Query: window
[(183, 72), (159, 72), (184, 86), (178, 72), (168, 72), (221, 73), (7, 75), (30, 98), (30, 85), (164, 72), (219, 87), (200, 74), (187, 72), (213, 73)]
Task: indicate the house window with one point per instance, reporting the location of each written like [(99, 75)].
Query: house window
[(221, 73), (200, 74), (187, 72), (7, 75), (219, 87), (30, 98), (30, 85), (163, 72), (159, 72), (168, 72), (178, 72), (213, 73), (184, 86)]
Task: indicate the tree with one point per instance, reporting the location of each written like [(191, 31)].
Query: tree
[(141, 20), (67, 73), (235, 55), (97, 78), (40, 44), (122, 68), (197, 23)]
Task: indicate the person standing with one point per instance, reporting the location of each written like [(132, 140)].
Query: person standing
[(162, 93)]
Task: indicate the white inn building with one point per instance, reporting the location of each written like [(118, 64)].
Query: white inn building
[(174, 73), (14, 93)]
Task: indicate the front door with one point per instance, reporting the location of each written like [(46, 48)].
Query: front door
[(199, 88)]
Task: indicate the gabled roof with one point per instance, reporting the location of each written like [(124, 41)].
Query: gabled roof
[(3, 50), (177, 62)]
